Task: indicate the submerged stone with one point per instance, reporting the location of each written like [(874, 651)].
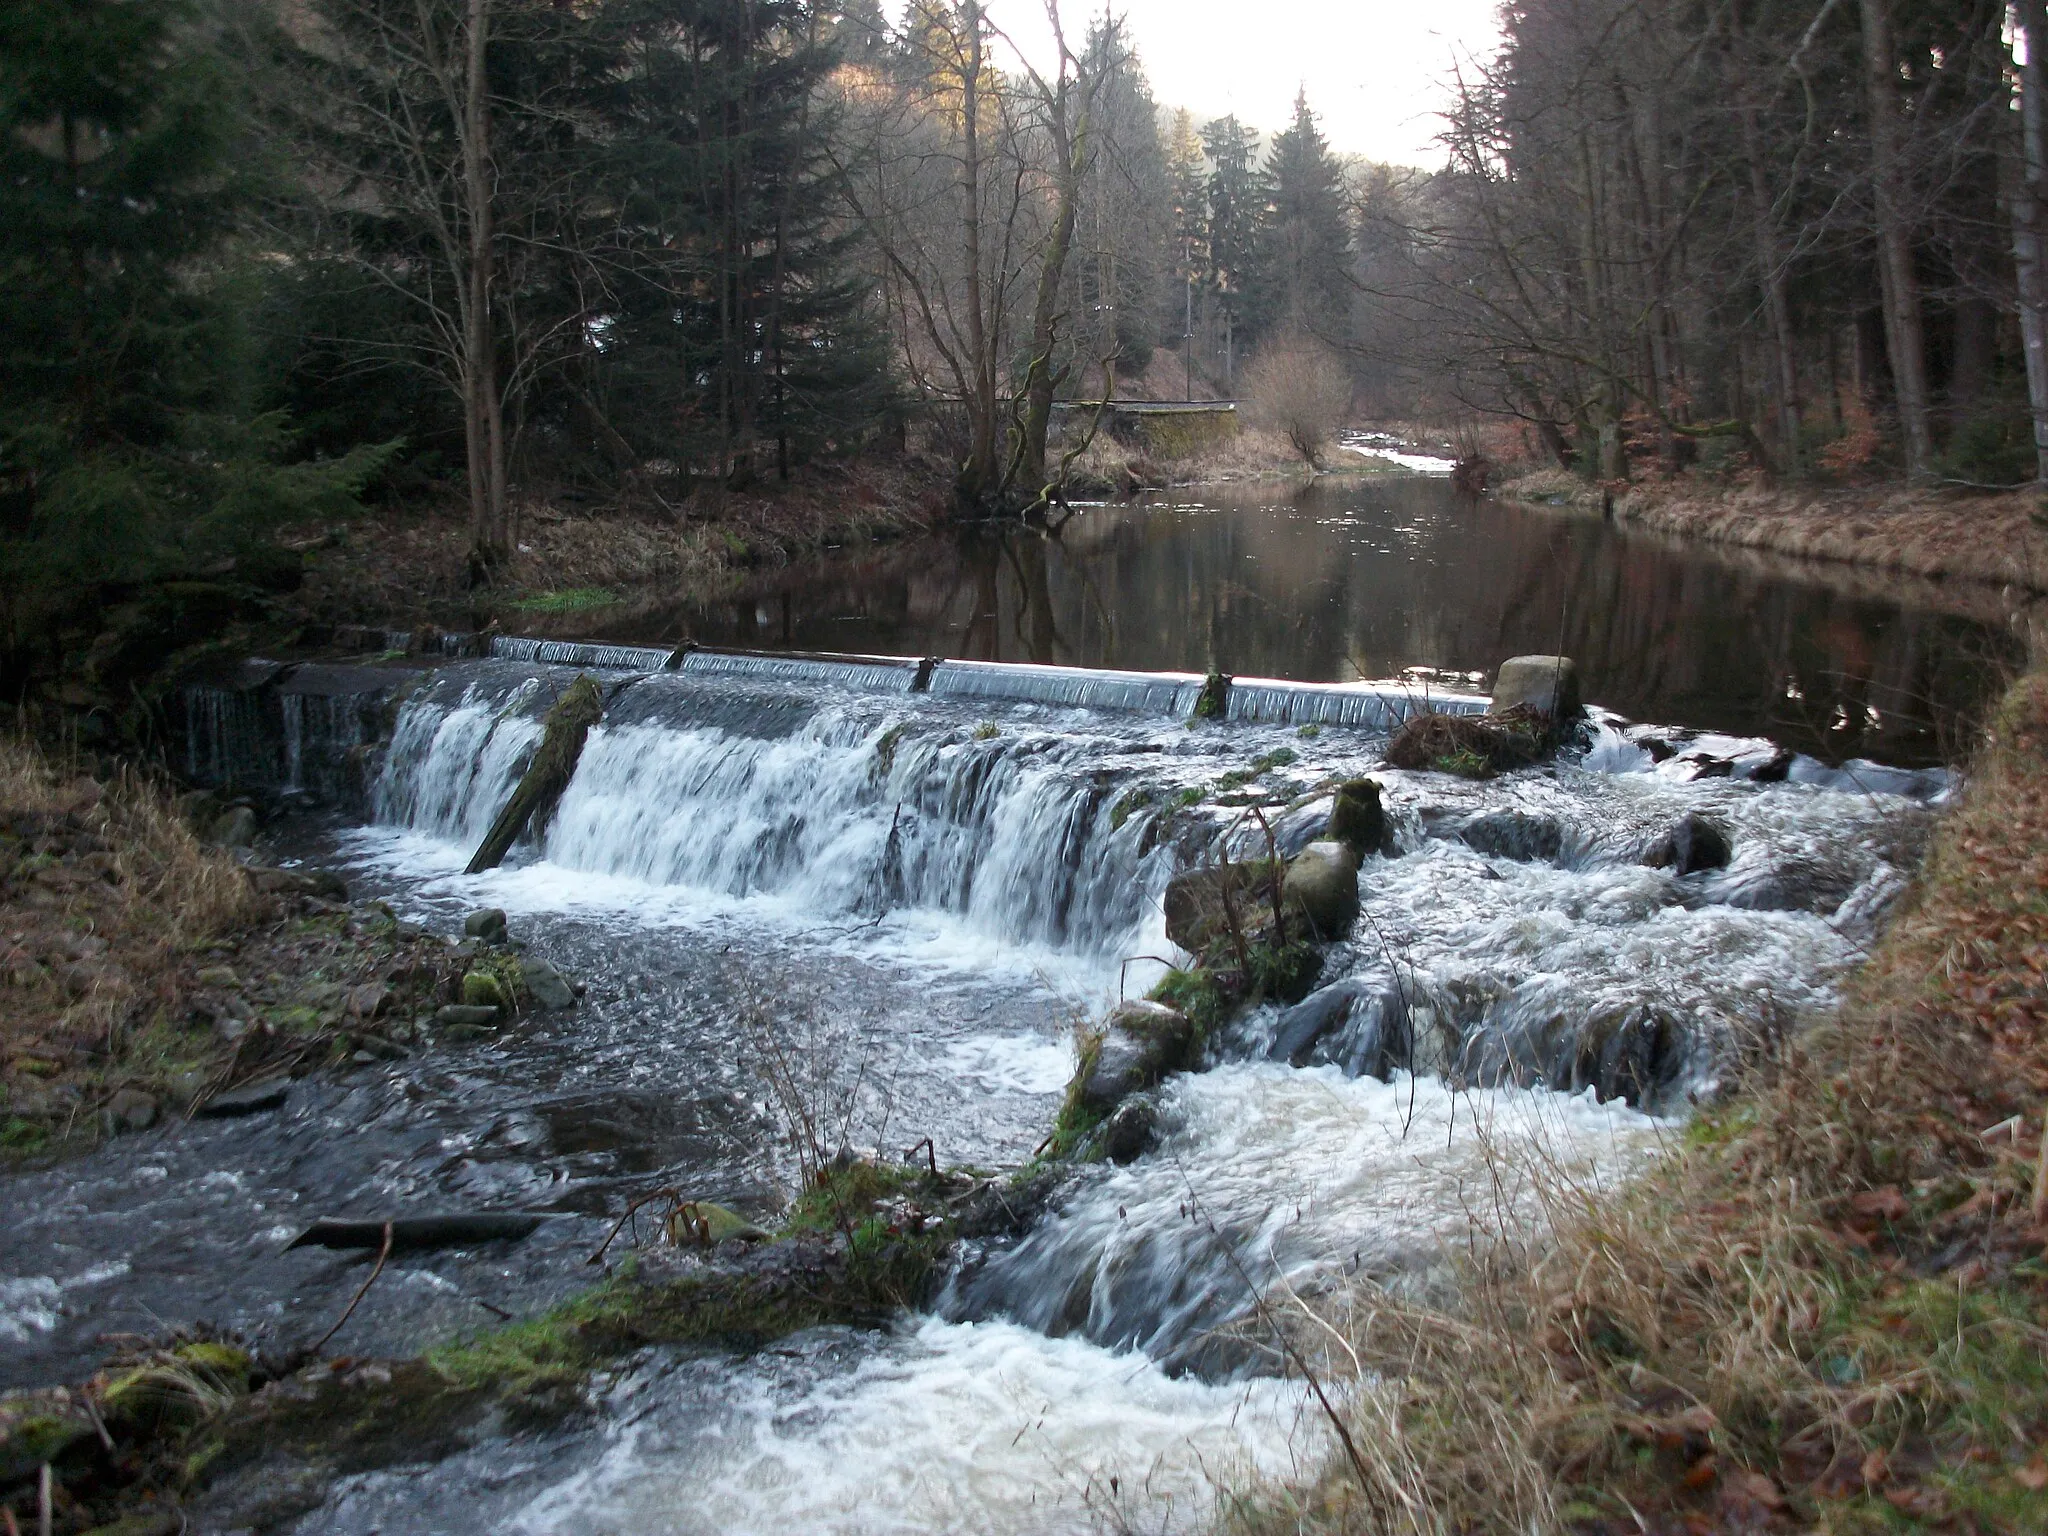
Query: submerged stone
[(249, 1099), (1514, 835), (1693, 844), (1130, 1131)]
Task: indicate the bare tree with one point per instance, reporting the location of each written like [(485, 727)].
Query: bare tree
[(1299, 387)]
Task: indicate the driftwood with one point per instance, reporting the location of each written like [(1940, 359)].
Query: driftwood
[(561, 744), (416, 1232)]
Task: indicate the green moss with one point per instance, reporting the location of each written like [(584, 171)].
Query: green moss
[(1192, 795), (1074, 1127), (885, 751), (567, 600), (988, 730), (1279, 757), (22, 1137), (1213, 703), (1196, 993), (1465, 765), (1131, 803), (1309, 732), (483, 989)]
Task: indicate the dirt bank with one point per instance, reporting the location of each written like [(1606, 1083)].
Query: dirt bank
[(1824, 1310), (1939, 533)]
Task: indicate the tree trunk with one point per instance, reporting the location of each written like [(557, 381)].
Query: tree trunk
[(1770, 272), (484, 424), (1904, 344), (978, 475), (2029, 203), (1039, 381)]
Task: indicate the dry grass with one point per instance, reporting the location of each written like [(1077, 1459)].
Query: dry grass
[(1938, 533), (104, 894), (1827, 1311)]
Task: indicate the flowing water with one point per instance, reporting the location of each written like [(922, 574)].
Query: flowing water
[(913, 879)]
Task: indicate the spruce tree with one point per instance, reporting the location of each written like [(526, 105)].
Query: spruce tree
[(123, 455), (741, 336), (1303, 238), (1237, 194)]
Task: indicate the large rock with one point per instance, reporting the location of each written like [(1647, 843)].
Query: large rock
[(1359, 821), (547, 986), (1321, 890), (1199, 903), (487, 924), (1141, 1043), (1693, 844), (235, 829), (1514, 835), (1547, 684), (1360, 1023)]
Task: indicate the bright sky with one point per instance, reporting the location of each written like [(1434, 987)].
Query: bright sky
[(1376, 70)]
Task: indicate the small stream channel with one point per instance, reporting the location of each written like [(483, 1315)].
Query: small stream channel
[(917, 894)]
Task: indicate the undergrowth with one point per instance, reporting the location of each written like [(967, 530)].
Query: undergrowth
[(1825, 1309)]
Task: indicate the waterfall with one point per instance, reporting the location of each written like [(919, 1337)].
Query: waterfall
[(570, 653), (883, 674), (1171, 694), (1370, 707), (1267, 1174), (228, 738)]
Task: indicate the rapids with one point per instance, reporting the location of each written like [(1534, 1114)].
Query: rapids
[(916, 878)]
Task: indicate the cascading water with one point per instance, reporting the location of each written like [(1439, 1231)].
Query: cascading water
[(572, 653), (885, 674), (1524, 996)]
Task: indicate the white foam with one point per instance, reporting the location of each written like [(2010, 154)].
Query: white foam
[(989, 1429), (28, 1305)]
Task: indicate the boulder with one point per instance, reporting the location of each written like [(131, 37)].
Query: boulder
[(1514, 835), (1361, 1023), (480, 989), (487, 924), (547, 986), (130, 1110), (369, 1000), (234, 829), (1547, 684), (1359, 821), (1321, 889), (1693, 844), (1199, 901), (1141, 1042), (1130, 1131)]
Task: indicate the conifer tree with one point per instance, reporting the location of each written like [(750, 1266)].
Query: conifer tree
[(1236, 196), (741, 335), (123, 455), (1303, 236)]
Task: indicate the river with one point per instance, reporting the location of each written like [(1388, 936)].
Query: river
[(918, 894)]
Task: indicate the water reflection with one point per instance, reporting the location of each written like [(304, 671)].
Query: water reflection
[(1343, 580)]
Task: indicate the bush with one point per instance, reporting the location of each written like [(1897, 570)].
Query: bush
[(1298, 388)]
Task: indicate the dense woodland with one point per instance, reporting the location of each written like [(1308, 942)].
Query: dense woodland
[(265, 258)]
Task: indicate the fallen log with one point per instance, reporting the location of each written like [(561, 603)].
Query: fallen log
[(533, 802), (417, 1232)]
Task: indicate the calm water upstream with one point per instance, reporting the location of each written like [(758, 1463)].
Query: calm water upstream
[(1347, 579)]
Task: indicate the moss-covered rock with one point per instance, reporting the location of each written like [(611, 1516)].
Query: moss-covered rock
[(482, 989), (1321, 890)]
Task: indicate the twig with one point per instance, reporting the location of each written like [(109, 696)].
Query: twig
[(44, 1497), (931, 1154), (631, 1211), (382, 1254)]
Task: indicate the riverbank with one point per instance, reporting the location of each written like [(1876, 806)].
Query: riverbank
[(1824, 1310), (1940, 533), (152, 970)]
